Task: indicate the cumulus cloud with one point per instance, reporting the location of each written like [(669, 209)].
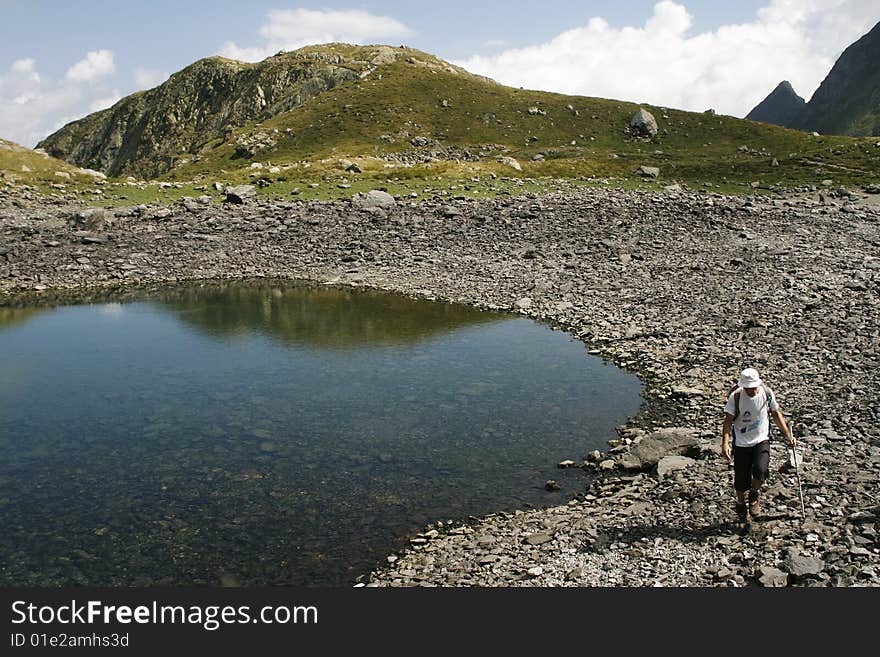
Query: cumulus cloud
[(32, 106), (289, 29), (25, 66), (663, 62), (96, 64), (145, 78)]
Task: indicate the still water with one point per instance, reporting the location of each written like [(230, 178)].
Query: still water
[(276, 434)]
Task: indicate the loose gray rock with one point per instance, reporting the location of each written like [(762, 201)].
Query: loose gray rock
[(801, 566), (93, 219), (772, 577), (539, 538), (241, 194), (374, 200), (672, 463), (648, 172), (510, 162)]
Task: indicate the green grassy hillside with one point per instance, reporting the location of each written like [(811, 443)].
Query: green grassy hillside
[(20, 165), (575, 136)]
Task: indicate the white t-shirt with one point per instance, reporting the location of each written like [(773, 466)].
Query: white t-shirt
[(753, 424)]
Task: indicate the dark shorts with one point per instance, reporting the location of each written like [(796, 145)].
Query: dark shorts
[(750, 462)]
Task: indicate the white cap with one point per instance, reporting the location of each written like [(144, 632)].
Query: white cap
[(749, 378)]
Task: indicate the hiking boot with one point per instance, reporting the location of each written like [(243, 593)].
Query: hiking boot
[(754, 503), (742, 512)]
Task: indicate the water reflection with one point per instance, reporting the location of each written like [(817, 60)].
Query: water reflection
[(10, 317), (335, 318)]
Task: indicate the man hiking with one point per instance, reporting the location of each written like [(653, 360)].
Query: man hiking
[(747, 414)]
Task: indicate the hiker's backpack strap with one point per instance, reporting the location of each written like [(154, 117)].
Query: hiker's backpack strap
[(736, 404), (769, 396)]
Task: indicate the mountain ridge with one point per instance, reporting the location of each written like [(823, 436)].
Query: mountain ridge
[(147, 132), (847, 101)]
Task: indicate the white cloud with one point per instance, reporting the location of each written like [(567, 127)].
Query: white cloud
[(662, 62), (289, 29), (24, 66), (96, 64), (32, 107), (145, 78)]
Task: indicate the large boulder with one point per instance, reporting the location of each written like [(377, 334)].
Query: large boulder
[(674, 441), (643, 124), (374, 200)]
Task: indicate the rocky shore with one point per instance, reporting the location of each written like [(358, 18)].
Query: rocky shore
[(683, 288)]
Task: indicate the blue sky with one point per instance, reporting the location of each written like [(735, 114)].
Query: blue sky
[(59, 59), (169, 34)]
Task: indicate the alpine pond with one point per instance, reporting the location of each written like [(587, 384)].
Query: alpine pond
[(270, 433)]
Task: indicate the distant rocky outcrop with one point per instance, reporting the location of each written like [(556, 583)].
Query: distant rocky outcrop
[(782, 107), (147, 132)]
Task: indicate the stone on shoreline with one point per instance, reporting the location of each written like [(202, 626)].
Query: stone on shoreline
[(665, 442), (672, 463)]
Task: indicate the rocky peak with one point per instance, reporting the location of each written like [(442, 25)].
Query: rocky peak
[(782, 107)]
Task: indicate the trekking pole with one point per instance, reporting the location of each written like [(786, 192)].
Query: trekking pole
[(797, 471)]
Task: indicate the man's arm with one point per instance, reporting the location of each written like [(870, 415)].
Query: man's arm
[(779, 419), (726, 449)]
